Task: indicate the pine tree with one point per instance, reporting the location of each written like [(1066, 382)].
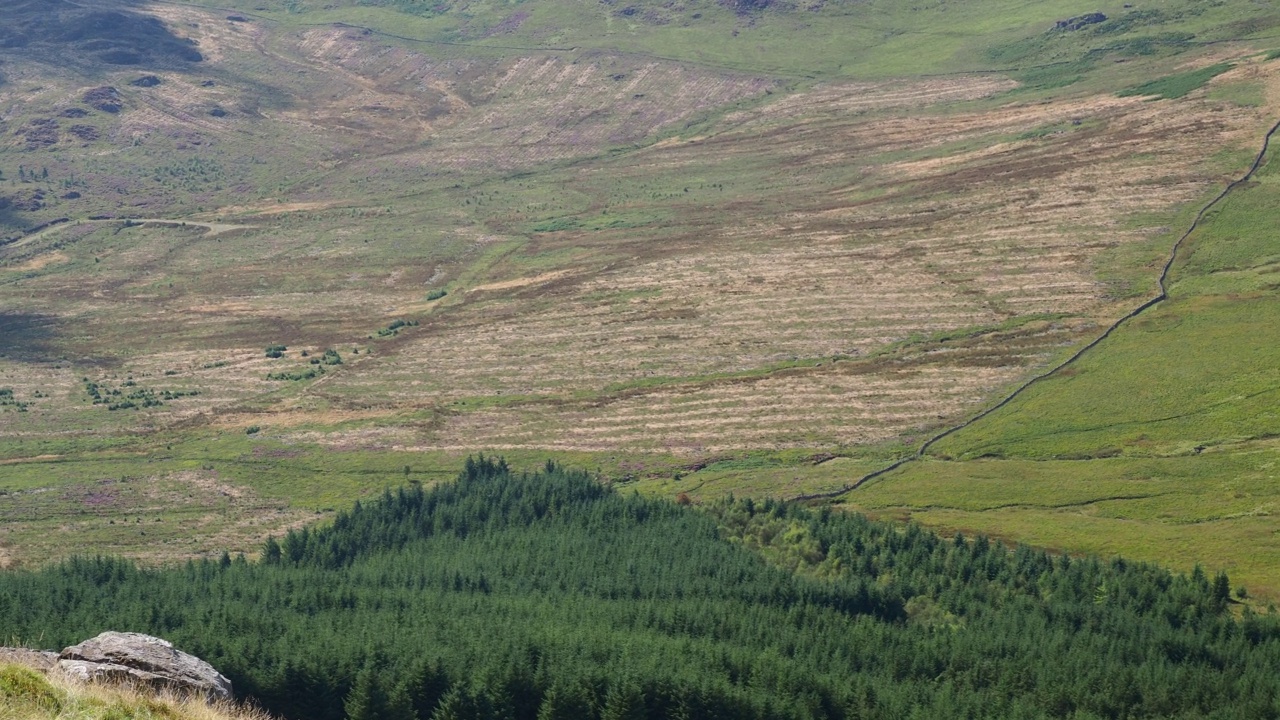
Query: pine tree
[(271, 553), (624, 701), (367, 700), (399, 705), (565, 701), (1221, 589), (457, 704), (425, 685)]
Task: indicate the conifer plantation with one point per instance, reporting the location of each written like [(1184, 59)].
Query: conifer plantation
[(548, 595)]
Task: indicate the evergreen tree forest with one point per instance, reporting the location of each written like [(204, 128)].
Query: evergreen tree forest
[(540, 596)]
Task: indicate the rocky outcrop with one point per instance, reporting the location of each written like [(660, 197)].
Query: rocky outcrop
[(142, 660), (40, 133), (24, 200), (1080, 21), (107, 99), (88, 133), (37, 659)]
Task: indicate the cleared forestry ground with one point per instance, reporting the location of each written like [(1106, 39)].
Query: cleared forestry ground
[(1158, 444), (762, 320), (685, 272)]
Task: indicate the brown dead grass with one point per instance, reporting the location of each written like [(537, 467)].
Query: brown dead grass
[(34, 458), (41, 261), (277, 208), (948, 221), (98, 701), (846, 218), (520, 282), (216, 37), (1007, 229), (290, 418), (509, 113)]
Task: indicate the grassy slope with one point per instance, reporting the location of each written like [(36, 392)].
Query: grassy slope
[(200, 488), (1159, 443), (885, 38)]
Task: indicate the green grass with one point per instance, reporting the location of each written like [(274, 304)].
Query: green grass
[(198, 493), (877, 39), (1201, 369), (28, 689), (1244, 94), (1198, 372), (1220, 509), (1158, 444), (1180, 85)]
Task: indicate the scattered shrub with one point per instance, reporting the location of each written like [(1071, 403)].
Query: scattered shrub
[(330, 357), (303, 374), (395, 327), (7, 400), (136, 397)]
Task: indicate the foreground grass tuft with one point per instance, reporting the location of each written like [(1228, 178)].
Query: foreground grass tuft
[(26, 694), (22, 687)]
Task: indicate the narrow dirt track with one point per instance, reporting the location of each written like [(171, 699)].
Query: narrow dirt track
[(212, 229), (1160, 297)]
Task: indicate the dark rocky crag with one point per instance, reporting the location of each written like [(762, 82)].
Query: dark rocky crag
[(1080, 22), (57, 30)]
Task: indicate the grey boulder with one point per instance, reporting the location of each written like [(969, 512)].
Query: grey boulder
[(37, 659), (142, 660)]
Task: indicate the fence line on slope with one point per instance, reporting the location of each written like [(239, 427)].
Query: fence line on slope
[(1160, 297)]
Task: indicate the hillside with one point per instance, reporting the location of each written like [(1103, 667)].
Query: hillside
[(546, 595), (258, 259), (1161, 441)]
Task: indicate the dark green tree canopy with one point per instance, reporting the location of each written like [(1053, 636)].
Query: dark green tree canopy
[(522, 596)]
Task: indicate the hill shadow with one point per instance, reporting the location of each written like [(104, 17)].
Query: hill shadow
[(28, 337), (113, 34), (12, 224)]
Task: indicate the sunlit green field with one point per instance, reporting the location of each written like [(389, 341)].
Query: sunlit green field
[(1159, 443)]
